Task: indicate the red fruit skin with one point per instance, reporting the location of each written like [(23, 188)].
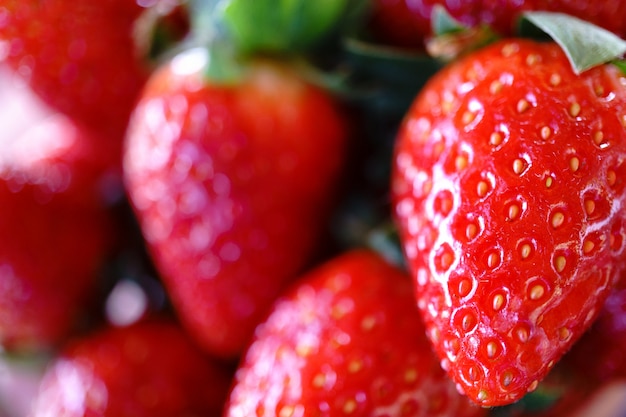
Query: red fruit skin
[(231, 184), (150, 368), (78, 56), (406, 23), (55, 229), (508, 191), (600, 354), (346, 339)]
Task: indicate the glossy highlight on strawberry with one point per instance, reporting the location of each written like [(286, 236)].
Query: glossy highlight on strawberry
[(56, 181), (231, 183), (347, 339), (78, 56), (508, 192), (150, 368)]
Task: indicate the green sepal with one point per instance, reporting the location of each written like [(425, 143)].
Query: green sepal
[(585, 44), (443, 22), (280, 26), (452, 39), (223, 65)]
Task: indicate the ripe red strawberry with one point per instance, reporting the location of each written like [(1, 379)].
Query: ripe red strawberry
[(150, 368), (231, 182), (55, 229), (347, 339), (407, 23), (508, 191), (79, 56), (600, 354)]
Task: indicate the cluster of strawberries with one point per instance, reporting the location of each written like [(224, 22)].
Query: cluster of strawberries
[(218, 155)]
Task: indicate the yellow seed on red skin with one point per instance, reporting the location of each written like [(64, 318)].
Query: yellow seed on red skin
[(518, 166), (468, 117), (509, 49), (482, 188), (496, 138), (598, 137), (611, 177), (410, 375), (557, 220), (482, 395), (546, 132), (525, 250), (497, 302), (549, 181), (355, 366), (574, 109), (559, 263), (495, 87), (590, 207), (507, 378), (588, 246), (522, 335), (492, 349), (471, 231), (368, 323), (514, 211), (349, 407), (555, 79), (574, 164), (460, 162), (537, 292), (493, 260), (532, 59), (522, 105), (286, 411), (446, 261)]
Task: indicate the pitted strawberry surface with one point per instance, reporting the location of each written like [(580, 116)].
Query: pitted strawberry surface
[(508, 190)]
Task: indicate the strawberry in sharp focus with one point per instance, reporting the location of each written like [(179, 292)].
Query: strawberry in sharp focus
[(508, 189), (347, 339), (150, 368), (56, 183), (407, 23), (231, 182), (79, 56)]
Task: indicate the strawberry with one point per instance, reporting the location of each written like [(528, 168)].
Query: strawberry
[(346, 339), (150, 368), (55, 228), (79, 56), (599, 354), (231, 182), (507, 191), (407, 23)]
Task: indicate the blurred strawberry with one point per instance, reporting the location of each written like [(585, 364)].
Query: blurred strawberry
[(56, 180), (407, 23), (148, 369), (601, 352), (231, 179), (79, 56), (346, 340)]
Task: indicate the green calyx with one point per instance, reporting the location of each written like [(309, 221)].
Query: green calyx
[(280, 26), (452, 38), (585, 44)]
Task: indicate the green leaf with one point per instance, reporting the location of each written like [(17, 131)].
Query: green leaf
[(280, 25), (585, 44), (443, 22)]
